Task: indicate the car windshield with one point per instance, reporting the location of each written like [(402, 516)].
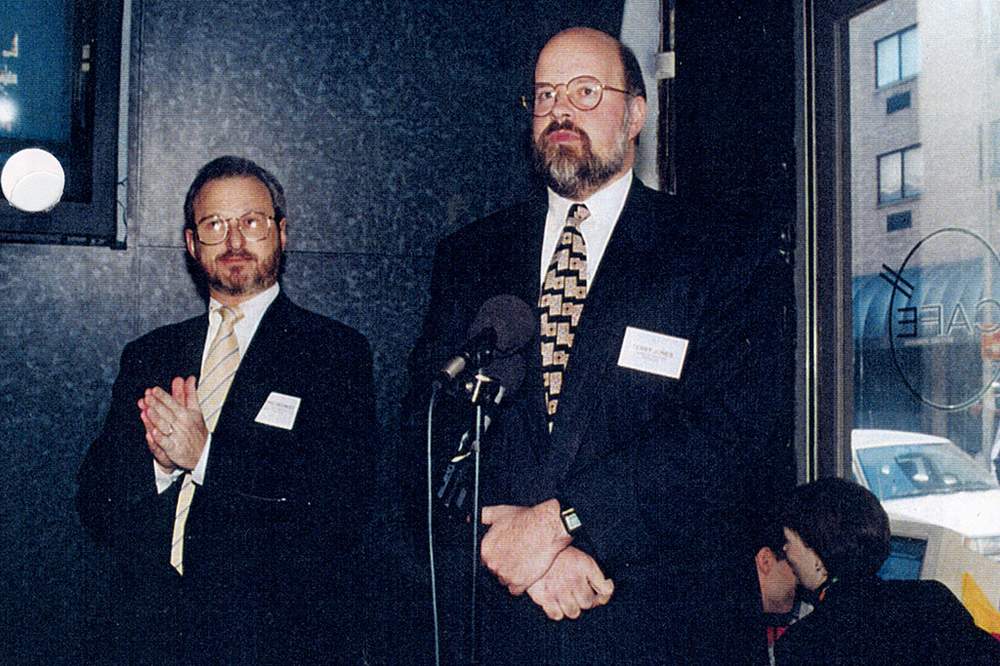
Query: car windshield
[(911, 470)]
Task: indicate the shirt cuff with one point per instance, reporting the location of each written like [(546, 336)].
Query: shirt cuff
[(164, 479), (198, 473)]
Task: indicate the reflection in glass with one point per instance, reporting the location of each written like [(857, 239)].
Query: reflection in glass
[(888, 61), (913, 172), (890, 177), (909, 54)]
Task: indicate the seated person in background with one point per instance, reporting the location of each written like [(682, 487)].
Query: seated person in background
[(836, 539), (777, 586)]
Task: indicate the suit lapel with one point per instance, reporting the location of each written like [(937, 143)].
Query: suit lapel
[(240, 406), (190, 348), (518, 268), (642, 254)]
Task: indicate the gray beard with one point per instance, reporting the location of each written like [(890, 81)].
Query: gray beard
[(570, 174)]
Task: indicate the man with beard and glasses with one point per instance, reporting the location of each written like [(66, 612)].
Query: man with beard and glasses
[(230, 480), (620, 481)]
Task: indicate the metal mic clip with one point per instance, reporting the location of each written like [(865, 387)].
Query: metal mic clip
[(484, 390)]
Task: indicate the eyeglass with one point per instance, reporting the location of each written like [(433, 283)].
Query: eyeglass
[(583, 92), (254, 226)]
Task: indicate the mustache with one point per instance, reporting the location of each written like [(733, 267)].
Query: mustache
[(230, 254), (566, 124)]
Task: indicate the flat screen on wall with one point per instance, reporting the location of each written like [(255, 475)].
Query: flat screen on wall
[(59, 91)]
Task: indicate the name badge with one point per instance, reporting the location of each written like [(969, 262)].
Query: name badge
[(654, 353), (279, 410)]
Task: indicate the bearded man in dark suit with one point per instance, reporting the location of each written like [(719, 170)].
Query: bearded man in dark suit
[(621, 480), (231, 478)]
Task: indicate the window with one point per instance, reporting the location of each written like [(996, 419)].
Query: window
[(897, 57), (904, 389), (900, 174)]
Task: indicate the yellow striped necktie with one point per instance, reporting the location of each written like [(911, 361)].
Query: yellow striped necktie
[(560, 305), (217, 374)]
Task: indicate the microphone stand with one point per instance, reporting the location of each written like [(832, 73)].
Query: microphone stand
[(478, 393), (482, 391)]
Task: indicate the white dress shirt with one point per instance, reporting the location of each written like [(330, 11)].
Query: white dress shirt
[(605, 207), (253, 310)]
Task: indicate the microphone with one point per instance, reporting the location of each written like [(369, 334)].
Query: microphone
[(503, 326), (477, 351)]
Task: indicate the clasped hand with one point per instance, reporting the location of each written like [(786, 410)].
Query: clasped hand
[(175, 428), (527, 549)]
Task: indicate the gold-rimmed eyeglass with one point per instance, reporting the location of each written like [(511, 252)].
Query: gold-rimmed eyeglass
[(214, 229), (583, 92)]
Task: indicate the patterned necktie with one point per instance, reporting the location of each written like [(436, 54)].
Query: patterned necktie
[(560, 305), (216, 377)]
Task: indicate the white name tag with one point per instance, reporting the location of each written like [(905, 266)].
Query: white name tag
[(279, 410), (654, 353)]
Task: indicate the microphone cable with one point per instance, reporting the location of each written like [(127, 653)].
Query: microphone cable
[(430, 527)]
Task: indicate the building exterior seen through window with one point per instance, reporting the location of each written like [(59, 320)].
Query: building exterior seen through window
[(925, 231)]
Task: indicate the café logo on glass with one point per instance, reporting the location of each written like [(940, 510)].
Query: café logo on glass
[(943, 320)]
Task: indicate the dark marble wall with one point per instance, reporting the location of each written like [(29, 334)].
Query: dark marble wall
[(390, 124)]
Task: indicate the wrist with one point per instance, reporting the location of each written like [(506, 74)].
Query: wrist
[(554, 521)]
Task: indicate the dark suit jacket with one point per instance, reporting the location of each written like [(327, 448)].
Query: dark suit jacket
[(665, 473), (272, 540), (887, 622)]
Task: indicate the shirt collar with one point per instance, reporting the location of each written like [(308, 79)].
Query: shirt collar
[(252, 308), (605, 205)]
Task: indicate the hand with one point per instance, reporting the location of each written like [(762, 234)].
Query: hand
[(574, 583), (522, 542), (175, 428)]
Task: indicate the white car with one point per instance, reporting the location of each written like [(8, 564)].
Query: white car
[(927, 479)]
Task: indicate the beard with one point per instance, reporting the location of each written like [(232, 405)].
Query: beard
[(569, 171), (246, 279)]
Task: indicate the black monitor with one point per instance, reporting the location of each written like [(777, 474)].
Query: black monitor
[(59, 90)]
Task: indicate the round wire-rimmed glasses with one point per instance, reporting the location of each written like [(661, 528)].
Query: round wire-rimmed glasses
[(214, 229), (583, 92)]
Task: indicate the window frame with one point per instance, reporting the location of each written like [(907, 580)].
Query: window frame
[(899, 78), (904, 196)]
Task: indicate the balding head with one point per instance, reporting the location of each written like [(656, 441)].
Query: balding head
[(589, 38)]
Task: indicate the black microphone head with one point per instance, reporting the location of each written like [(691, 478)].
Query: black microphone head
[(508, 371), (514, 323), (513, 320)]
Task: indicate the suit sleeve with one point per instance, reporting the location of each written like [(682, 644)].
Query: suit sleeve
[(117, 498)]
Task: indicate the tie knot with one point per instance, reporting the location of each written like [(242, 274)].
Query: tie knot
[(230, 315), (577, 214)]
